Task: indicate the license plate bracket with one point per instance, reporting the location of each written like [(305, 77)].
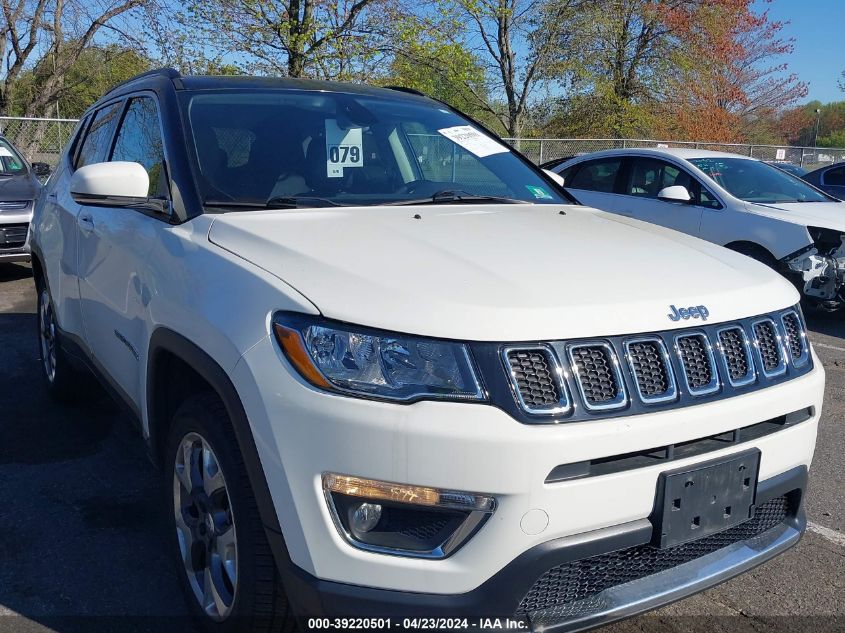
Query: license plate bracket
[(692, 503)]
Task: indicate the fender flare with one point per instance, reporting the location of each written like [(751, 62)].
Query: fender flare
[(165, 340)]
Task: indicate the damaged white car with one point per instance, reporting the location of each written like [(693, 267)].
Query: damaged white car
[(736, 201)]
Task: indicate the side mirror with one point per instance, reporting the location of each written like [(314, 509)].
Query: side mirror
[(556, 177), (116, 184), (41, 169), (675, 193)]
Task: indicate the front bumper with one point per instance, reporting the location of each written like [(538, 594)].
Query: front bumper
[(18, 253), (500, 596), (301, 433)]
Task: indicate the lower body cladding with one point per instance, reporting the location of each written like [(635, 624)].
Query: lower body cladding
[(525, 539)]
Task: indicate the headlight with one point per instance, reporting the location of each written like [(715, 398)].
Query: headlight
[(358, 361)]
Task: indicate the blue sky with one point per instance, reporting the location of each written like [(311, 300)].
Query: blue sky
[(818, 27)]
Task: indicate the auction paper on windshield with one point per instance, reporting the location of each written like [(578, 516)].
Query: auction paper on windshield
[(473, 141)]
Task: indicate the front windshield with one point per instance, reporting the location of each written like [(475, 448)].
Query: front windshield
[(755, 181), (269, 148), (11, 162)]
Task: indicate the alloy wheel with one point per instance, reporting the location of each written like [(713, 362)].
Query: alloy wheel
[(47, 338), (205, 526)]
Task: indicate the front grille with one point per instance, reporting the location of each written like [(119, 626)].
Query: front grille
[(570, 380), (794, 338), (572, 589), (650, 369), (732, 342), (697, 361), (534, 379), (597, 374), (13, 235), (767, 346)]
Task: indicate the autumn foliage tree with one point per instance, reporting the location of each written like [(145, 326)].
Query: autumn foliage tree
[(729, 84)]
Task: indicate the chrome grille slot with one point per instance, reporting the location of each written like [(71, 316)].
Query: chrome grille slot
[(697, 362), (535, 378), (767, 342), (649, 362), (736, 353), (597, 375), (796, 338)]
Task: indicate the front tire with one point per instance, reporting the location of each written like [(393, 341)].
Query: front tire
[(64, 380), (223, 560)]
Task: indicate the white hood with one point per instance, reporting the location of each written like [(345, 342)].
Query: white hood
[(830, 215), (500, 273)]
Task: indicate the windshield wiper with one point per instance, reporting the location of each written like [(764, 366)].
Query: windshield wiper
[(448, 196), (279, 202)]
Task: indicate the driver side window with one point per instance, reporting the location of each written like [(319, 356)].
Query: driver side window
[(139, 141)]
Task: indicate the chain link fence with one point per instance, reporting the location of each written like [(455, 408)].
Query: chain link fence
[(38, 139), (541, 150), (43, 139)]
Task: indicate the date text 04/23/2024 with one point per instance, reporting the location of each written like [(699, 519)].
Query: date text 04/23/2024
[(417, 624)]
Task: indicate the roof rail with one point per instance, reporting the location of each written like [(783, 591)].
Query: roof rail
[(412, 91), (169, 73)]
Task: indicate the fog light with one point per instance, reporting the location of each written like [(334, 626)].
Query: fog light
[(366, 517), (402, 519)]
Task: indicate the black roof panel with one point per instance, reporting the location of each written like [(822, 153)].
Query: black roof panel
[(226, 82)]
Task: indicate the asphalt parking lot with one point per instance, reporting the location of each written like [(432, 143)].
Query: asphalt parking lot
[(83, 548)]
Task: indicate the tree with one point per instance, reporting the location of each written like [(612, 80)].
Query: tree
[(522, 45), (297, 38), (729, 86), (841, 82), (55, 30), (424, 56), (97, 69), (800, 124), (626, 51), (627, 47)]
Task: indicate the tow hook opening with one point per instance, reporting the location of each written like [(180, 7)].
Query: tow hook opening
[(821, 267)]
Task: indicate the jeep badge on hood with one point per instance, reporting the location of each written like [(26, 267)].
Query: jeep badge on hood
[(693, 312)]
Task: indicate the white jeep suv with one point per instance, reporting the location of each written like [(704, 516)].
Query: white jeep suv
[(390, 369)]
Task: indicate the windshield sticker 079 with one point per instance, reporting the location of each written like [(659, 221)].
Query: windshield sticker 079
[(473, 141), (344, 148)]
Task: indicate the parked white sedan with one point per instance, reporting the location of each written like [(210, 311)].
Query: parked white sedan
[(732, 200)]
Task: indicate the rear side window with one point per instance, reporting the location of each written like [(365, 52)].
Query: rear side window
[(139, 141), (599, 175), (650, 176), (835, 176), (95, 147)]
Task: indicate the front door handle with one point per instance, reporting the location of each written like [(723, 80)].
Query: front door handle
[(85, 222)]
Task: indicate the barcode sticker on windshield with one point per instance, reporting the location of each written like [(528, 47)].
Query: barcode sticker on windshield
[(473, 141), (344, 148)]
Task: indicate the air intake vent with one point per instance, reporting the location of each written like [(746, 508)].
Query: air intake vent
[(697, 362), (573, 589), (736, 352), (795, 338), (597, 375), (534, 374), (652, 371), (768, 347)]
